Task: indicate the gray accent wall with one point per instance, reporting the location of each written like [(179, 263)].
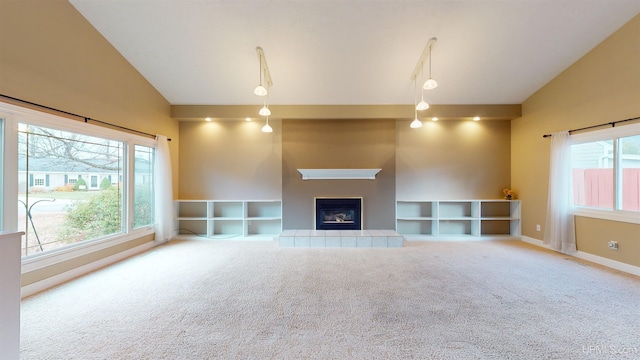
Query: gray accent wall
[(338, 144)]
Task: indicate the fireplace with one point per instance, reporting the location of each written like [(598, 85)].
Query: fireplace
[(338, 213)]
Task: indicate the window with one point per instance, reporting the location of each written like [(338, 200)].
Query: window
[(606, 173), (143, 186), (53, 213), (77, 184), (592, 171), (630, 165)]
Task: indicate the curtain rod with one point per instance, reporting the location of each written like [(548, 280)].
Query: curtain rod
[(85, 118), (612, 123)]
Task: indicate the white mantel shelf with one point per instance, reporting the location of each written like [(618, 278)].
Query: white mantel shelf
[(339, 174)]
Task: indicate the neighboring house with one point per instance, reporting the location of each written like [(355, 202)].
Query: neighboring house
[(599, 155), (49, 174)]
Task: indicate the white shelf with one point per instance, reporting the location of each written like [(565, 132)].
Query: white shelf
[(192, 209), (458, 219), (225, 219)]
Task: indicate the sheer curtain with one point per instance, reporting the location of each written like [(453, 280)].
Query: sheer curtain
[(559, 231), (163, 190)]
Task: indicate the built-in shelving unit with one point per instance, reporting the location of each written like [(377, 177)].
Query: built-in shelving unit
[(226, 219), (458, 219)]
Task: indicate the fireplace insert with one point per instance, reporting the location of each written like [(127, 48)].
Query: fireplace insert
[(338, 213)]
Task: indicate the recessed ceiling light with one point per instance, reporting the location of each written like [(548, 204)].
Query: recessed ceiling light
[(476, 118), (208, 119), (247, 119), (435, 118)]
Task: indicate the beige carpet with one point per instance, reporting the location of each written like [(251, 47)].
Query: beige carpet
[(429, 300)]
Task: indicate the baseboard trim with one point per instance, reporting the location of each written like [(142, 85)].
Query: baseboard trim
[(616, 265), (50, 282)]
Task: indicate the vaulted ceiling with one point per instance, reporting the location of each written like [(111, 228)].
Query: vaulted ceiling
[(362, 52)]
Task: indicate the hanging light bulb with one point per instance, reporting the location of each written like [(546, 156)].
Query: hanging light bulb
[(260, 90), (264, 111), (430, 84), (415, 123), (267, 128), (422, 105)]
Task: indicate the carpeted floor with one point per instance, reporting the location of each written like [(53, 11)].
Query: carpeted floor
[(253, 300)]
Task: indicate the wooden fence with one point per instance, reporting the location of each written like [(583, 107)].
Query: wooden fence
[(594, 187)]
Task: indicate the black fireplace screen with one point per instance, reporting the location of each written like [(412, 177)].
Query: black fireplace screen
[(338, 213)]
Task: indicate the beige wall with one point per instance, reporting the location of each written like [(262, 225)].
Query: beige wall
[(338, 144), (453, 160), (602, 86), (230, 160), (50, 55), (593, 235)]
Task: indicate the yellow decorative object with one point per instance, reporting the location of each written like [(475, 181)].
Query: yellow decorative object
[(509, 194)]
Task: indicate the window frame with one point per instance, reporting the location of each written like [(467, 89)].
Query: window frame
[(133, 183), (612, 133), (12, 115)]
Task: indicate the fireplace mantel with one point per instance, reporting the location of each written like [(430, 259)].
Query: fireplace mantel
[(339, 174)]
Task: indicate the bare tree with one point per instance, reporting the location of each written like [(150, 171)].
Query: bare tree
[(70, 150)]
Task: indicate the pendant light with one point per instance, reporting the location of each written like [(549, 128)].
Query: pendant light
[(422, 105), (264, 110), (267, 128), (260, 90), (415, 124), (263, 89), (430, 84)]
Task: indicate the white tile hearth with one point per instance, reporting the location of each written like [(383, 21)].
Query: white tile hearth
[(340, 238)]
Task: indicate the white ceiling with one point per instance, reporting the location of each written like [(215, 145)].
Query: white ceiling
[(353, 52)]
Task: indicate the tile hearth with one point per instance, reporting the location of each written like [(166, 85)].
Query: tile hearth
[(340, 238)]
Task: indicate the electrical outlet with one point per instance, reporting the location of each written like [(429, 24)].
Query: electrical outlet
[(613, 245), (537, 227)]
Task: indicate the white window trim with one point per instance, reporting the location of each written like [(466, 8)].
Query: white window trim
[(14, 116), (607, 134), (613, 215), (43, 260)]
